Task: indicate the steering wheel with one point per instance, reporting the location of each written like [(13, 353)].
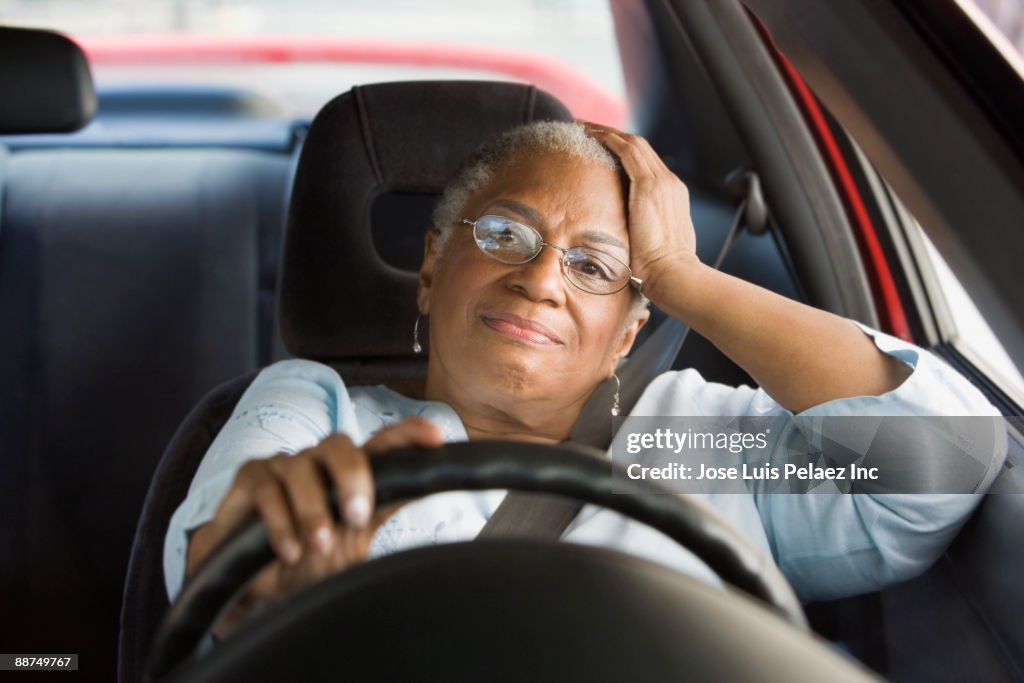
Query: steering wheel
[(559, 571)]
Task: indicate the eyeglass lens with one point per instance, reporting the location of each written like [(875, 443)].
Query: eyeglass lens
[(510, 241)]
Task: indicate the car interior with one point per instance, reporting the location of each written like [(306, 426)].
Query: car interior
[(145, 277)]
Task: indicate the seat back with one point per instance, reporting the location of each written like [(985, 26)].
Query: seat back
[(370, 153), (129, 284), (97, 367)]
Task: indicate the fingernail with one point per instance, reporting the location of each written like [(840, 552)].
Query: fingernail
[(324, 540), (291, 551), (357, 512)]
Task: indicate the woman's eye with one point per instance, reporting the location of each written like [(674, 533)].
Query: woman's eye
[(593, 268), (507, 236)]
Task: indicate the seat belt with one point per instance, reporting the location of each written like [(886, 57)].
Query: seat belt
[(546, 517)]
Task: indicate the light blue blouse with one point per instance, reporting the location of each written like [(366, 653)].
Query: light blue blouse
[(828, 546)]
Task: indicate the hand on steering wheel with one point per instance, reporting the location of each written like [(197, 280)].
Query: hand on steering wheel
[(567, 469), (290, 495)]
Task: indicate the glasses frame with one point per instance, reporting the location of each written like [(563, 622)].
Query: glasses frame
[(631, 280)]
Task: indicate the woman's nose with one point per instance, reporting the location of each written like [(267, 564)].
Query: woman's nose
[(541, 278)]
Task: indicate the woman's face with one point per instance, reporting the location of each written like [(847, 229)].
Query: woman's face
[(522, 332)]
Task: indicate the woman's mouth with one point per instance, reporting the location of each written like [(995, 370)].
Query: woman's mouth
[(521, 328)]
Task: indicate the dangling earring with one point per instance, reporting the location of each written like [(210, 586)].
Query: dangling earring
[(615, 400), (416, 347)]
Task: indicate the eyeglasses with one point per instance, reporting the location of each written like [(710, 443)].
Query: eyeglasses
[(591, 270)]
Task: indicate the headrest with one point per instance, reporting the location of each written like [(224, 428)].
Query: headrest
[(45, 84), (339, 299)]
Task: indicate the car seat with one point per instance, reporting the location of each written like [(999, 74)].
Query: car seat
[(372, 163), (132, 280)]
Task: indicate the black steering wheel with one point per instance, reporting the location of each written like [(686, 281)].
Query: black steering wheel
[(570, 470)]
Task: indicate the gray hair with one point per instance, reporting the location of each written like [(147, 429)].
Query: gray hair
[(565, 137)]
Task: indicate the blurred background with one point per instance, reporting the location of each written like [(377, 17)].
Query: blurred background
[(399, 40), (573, 37)]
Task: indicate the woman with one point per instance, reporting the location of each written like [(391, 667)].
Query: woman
[(524, 326)]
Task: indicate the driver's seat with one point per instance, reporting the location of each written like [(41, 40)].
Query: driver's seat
[(373, 162)]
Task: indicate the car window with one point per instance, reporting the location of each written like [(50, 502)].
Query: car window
[(946, 312), (970, 332), (1002, 22), (299, 54)]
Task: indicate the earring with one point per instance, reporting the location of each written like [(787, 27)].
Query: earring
[(416, 347), (615, 400)]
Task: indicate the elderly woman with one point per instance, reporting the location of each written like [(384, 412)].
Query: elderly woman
[(536, 277)]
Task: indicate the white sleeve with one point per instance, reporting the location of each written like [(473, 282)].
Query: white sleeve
[(836, 545), (291, 405)]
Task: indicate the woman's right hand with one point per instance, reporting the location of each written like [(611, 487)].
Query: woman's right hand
[(289, 493)]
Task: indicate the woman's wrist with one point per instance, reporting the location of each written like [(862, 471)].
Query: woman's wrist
[(671, 284)]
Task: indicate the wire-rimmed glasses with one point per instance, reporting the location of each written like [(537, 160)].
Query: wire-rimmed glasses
[(590, 270)]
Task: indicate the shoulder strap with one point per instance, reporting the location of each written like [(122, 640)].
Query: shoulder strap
[(531, 515), (538, 516)]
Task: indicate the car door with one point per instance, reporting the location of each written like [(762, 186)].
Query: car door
[(876, 128), (915, 117)]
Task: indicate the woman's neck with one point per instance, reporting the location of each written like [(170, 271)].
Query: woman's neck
[(500, 416), (483, 421)]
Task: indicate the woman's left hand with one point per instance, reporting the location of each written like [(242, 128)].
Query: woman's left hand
[(800, 355), (661, 235)]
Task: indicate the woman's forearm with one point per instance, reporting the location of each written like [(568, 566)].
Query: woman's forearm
[(801, 356)]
